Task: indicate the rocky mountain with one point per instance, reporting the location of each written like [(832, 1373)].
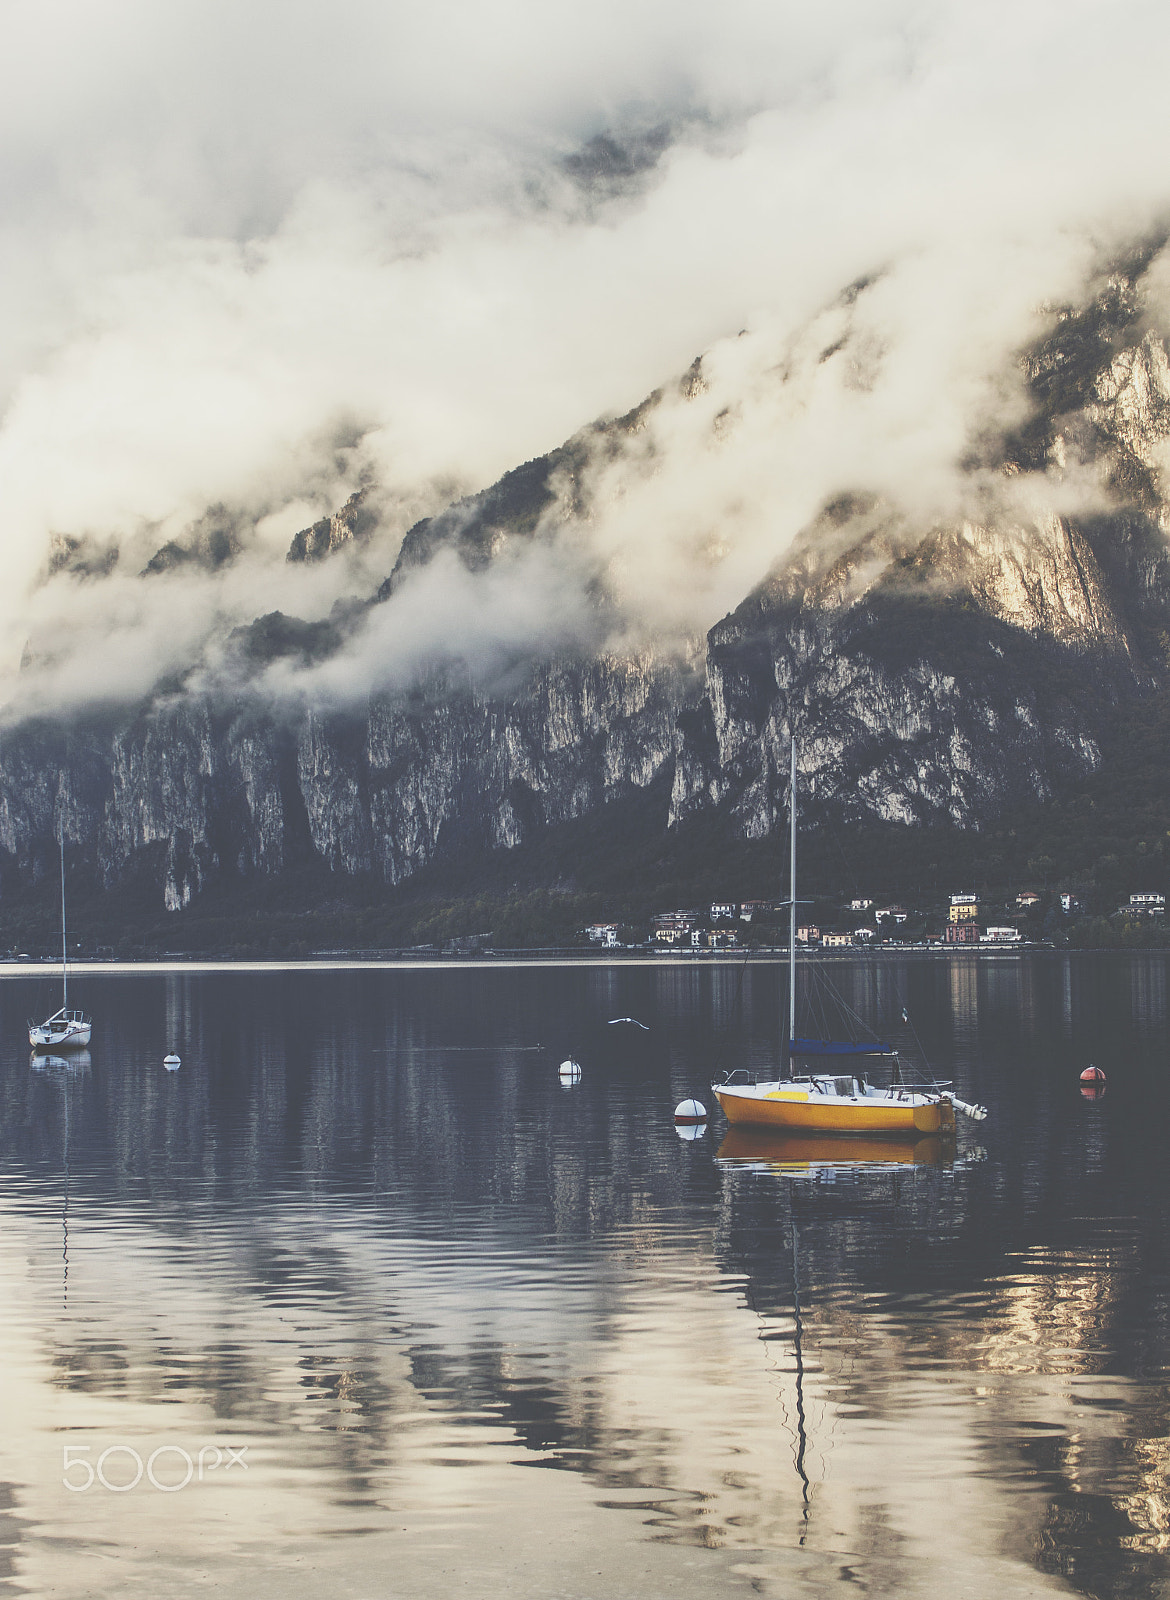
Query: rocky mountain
[(930, 675), (354, 522)]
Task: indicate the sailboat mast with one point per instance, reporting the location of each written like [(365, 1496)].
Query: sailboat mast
[(792, 909), (64, 948)]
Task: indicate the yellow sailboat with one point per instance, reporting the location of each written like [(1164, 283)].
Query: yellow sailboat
[(837, 1105), (827, 1095)]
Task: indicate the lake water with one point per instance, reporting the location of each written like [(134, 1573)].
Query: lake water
[(361, 1302)]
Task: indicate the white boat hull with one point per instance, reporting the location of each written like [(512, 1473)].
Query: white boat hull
[(53, 1036)]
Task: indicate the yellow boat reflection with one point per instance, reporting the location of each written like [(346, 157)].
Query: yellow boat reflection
[(789, 1152)]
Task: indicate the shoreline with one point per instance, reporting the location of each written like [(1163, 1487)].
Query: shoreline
[(405, 960)]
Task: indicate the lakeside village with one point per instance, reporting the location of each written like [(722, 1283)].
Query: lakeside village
[(1031, 917)]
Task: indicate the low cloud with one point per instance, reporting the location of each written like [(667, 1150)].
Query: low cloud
[(255, 259)]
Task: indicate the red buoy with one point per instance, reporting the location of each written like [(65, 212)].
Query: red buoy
[(1093, 1075)]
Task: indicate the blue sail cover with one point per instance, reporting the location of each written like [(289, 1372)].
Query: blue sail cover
[(839, 1047)]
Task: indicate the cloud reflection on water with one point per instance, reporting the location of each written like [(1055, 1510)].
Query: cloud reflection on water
[(364, 1232)]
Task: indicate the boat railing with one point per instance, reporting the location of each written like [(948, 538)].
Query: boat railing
[(60, 1021), (908, 1087), (902, 1088)]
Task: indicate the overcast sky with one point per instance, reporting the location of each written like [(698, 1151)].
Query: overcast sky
[(251, 252)]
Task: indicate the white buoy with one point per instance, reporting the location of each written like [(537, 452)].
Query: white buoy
[(172, 1063), (687, 1131), (570, 1071), (690, 1111)]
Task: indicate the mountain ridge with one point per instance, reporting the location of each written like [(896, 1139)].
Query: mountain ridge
[(932, 676)]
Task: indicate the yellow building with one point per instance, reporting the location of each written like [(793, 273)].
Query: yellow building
[(964, 908)]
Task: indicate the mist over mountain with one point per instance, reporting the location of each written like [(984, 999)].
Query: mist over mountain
[(572, 408), (933, 668)]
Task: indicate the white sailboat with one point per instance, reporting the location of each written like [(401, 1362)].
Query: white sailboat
[(65, 1029)]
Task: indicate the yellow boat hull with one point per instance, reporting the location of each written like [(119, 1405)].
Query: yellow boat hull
[(798, 1112)]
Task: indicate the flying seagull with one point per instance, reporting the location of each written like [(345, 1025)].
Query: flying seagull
[(633, 1021)]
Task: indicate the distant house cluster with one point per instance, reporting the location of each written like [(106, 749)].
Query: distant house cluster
[(717, 926), (965, 925), (690, 928), (1144, 905), (965, 919), (708, 928)]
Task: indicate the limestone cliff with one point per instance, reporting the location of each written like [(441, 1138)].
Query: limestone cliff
[(190, 791)]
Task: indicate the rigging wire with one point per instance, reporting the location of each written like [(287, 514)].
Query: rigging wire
[(735, 1005)]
